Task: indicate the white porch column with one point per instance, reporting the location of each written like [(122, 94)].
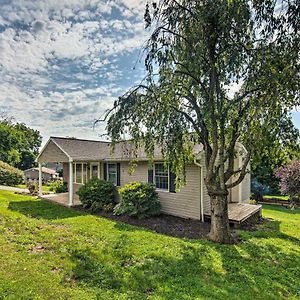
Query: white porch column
[(71, 180), (40, 179)]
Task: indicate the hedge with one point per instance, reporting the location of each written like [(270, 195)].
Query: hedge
[(9, 175)]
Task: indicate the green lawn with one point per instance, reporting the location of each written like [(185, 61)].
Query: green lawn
[(51, 252), (45, 188), (277, 197)]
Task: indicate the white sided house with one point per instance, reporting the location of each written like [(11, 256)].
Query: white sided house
[(84, 159)]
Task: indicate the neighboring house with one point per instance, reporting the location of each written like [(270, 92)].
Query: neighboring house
[(83, 159), (47, 174), (54, 166)]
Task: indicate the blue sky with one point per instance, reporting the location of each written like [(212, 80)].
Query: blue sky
[(63, 63)]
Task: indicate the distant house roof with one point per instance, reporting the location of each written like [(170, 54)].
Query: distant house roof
[(59, 149), (44, 170)]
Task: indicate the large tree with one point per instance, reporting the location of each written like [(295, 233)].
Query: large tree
[(218, 73), (279, 144), (19, 143)]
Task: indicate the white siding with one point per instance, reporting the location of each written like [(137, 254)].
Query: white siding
[(140, 173), (206, 199), (235, 191), (185, 203), (246, 189), (241, 192)]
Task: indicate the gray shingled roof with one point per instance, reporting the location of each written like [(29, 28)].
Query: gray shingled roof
[(79, 149), (89, 150)]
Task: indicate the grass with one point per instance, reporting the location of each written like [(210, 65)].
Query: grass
[(277, 197), (51, 252), (45, 188)]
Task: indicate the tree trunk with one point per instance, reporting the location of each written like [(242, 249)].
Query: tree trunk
[(219, 230)]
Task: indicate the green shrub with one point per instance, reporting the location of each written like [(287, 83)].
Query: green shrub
[(33, 187), (10, 175), (97, 194), (58, 186), (259, 190), (138, 200)]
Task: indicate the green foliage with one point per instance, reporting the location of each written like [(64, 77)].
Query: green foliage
[(58, 186), (82, 256), (108, 207), (33, 187), (138, 200), (259, 190), (9, 175), (217, 72), (289, 176), (192, 62), (19, 144), (97, 194), (279, 144)]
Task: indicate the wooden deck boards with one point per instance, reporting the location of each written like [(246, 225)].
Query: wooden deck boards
[(239, 212)]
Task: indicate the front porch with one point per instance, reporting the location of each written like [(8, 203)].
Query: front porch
[(80, 159)]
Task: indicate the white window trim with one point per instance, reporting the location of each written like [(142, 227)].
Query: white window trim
[(167, 190), (82, 175), (107, 177)]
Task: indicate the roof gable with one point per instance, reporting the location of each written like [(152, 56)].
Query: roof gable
[(52, 153)]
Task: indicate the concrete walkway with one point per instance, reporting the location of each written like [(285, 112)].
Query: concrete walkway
[(62, 199), (13, 189)]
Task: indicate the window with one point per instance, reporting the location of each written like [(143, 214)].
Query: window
[(80, 173), (161, 176), (112, 173)]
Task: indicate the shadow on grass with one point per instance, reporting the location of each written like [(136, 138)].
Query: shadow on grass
[(203, 270), (281, 208), (270, 230), (41, 209)]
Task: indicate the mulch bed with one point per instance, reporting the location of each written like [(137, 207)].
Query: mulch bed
[(165, 224)]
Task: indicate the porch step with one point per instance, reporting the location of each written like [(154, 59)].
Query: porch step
[(240, 212)]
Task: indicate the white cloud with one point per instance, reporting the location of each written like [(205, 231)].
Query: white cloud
[(60, 63)]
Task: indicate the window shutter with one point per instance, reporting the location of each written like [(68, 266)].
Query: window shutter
[(172, 179), (150, 175), (105, 171), (118, 174)]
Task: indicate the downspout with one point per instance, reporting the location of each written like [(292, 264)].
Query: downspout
[(201, 189)]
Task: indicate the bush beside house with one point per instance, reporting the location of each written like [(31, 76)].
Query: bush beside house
[(58, 186), (9, 175), (138, 200), (97, 194)]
